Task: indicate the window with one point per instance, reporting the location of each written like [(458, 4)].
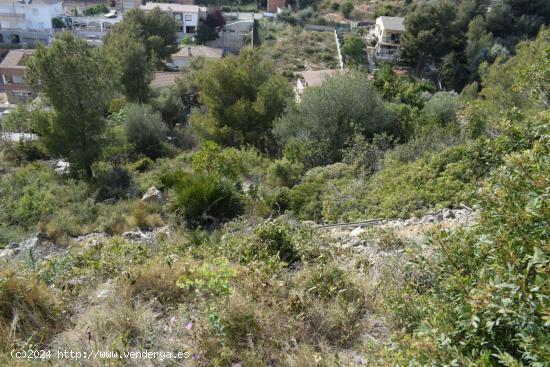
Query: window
[(188, 17)]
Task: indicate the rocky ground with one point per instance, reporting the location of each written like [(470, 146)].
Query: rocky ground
[(345, 236), (372, 250)]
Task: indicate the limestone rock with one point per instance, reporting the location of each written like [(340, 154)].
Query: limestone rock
[(152, 195), (62, 167), (357, 231)]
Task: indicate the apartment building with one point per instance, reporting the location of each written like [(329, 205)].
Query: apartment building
[(12, 70)]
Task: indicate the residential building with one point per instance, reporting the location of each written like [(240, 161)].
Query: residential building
[(186, 54), (129, 4), (28, 21), (12, 69), (164, 79), (387, 32), (93, 28), (187, 16), (314, 78)]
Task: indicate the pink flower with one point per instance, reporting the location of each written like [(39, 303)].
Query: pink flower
[(189, 325)]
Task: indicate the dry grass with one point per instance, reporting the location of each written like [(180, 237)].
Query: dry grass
[(30, 313)]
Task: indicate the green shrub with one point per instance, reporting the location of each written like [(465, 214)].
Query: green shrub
[(315, 131), (306, 198), (97, 262), (443, 107), (346, 9), (432, 139), (169, 104), (441, 180), (486, 301), (276, 240), (283, 172), (96, 9), (210, 279), (213, 159), (354, 49), (305, 14), (24, 151), (365, 155), (272, 242), (145, 130), (29, 194), (141, 165), (277, 199), (186, 40), (113, 182), (204, 200)]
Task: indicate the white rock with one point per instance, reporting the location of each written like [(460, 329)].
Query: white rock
[(152, 195), (104, 289), (357, 231), (62, 167)]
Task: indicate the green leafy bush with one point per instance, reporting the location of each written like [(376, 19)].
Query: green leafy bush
[(204, 200), (283, 172), (487, 299), (96, 9), (443, 107), (29, 194), (306, 198), (113, 182), (103, 262), (145, 130), (24, 151), (346, 9), (354, 49), (315, 131), (213, 159), (211, 279)]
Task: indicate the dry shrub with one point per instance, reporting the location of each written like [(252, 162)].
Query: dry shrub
[(30, 313), (307, 356), (115, 324), (145, 216), (129, 216), (270, 318), (157, 281)]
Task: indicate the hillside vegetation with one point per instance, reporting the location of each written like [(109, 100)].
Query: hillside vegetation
[(225, 258)]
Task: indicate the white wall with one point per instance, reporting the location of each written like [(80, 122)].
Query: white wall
[(36, 16)]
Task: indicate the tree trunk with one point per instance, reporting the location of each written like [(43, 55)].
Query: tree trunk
[(89, 173)]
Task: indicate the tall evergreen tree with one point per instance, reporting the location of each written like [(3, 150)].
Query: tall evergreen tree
[(78, 82)]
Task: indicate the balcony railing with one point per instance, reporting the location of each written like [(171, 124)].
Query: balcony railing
[(390, 40)]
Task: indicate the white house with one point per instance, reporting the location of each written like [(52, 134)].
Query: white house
[(31, 15), (187, 16), (387, 32)]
